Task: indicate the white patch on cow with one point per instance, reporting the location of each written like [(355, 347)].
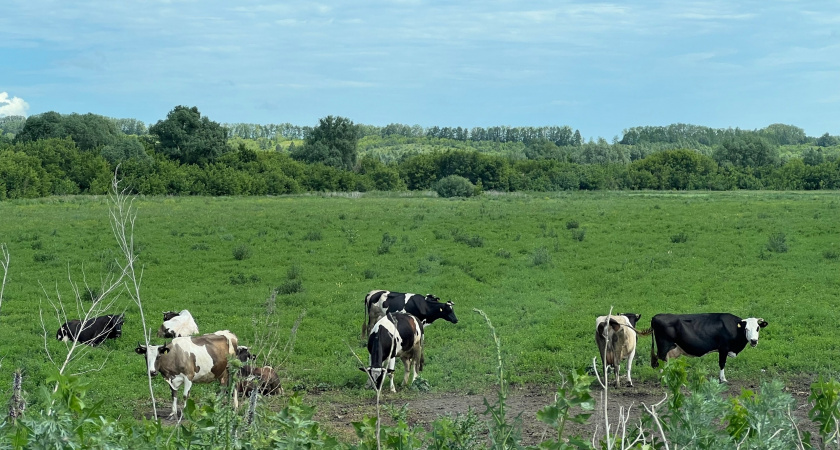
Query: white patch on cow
[(677, 352), (182, 325), (722, 377), (731, 354)]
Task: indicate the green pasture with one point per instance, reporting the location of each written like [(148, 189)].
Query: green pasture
[(542, 267)]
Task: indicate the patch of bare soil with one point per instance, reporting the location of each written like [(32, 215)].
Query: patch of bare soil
[(336, 414)]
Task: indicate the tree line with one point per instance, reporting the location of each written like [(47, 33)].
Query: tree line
[(189, 154)]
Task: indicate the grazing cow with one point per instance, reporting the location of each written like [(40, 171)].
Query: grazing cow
[(188, 360), (177, 325), (701, 334), (262, 379), (243, 353), (397, 335), (427, 309), (620, 333), (94, 331)]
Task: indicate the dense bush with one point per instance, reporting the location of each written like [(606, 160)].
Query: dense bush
[(454, 186)]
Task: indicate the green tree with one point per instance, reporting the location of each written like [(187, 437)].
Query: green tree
[(126, 147), (189, 138), (827, 140), (88, 131), (334, 142), (747, 151)]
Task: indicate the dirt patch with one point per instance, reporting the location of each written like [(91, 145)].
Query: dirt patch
[(336, 412)]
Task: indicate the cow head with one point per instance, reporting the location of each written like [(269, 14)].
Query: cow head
[(633, 318), (152, 353), (376, 375), (117, 323), (448, 312), (751, 327), (243, 354)]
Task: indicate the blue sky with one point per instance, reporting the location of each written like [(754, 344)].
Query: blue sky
[(599, 67)]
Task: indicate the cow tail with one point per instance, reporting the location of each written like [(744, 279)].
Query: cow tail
[(366, 319), (647, 332), (654, 361)]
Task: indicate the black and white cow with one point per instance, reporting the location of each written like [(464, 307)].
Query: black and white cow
[(188, 360), (701, 334), (94, 331), (397, 335), (177, 325), (427, 308)]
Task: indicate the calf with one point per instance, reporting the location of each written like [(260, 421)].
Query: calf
[(427, 309), (396, 335), (177, 325), (260, 379), (94, 331), (616, 342), (701, 334), (188, 360)]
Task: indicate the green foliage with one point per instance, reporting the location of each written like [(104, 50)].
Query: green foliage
[(454, 186), (679, 238), (387, 242), (577, 395), (673, 169), (89, 131), (777, 243), (241, 251), (188, 137), (825, 396), (334, 143), (458, 432), (747, 151)]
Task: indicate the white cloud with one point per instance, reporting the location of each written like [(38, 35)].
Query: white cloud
[(14, 106)]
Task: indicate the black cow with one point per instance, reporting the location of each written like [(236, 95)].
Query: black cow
[(701, 334), (94, 331), (426, 308), (397, 335)]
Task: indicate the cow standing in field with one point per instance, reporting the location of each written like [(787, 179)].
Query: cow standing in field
[(616, 341), (177, 325), (94, 331), (188, 360), (397, 335), (426, 308), (701, 334)]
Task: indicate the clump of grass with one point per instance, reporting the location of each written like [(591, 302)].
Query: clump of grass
[(387, 242), (579, 234), (227, 237), (440, 235), (312, 235), (37, 245), (369, 274), (679, 238), (44, 257), (831, 255), (572, 224), (241, 252), (240, 278), (200, 246), (540, 257), (472, 241), (502, 253), (351, 235), (294, 272), (777, 243), (423, 267), (290, 287)]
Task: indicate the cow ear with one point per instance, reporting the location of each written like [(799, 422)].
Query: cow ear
[(741, 323), (762, 323), (163, 350), (390, 371), (638, 316), (364, 369), (441, 309)]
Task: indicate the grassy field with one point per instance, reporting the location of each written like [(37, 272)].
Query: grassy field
[(541, 266)]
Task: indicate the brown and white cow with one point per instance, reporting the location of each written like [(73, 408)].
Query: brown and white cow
[(616, 341), (188, 360), (397, 335), (177, 325)]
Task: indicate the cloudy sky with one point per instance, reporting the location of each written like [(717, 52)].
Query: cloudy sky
[(599, 67)]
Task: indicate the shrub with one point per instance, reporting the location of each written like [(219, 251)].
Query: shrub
[(454, 186), (777, 243), (290, 287), (314, 235), (241, 252), (387, 242), (369, 274), (294, 272), (579, 234), (831, 254), (502, 253), (572, 224), (679, 238), (44, 257), (540, 257)]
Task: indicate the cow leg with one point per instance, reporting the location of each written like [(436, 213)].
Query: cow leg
[(722, 362), (409, 367), (391, 363), (618, 374), (174, 385), (630, 367), (174, 413)]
